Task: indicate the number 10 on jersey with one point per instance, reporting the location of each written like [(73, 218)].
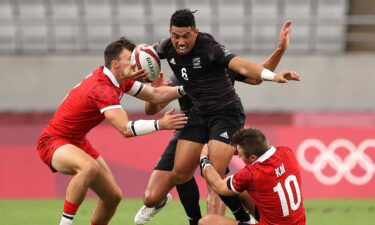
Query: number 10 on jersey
[(294, 205)]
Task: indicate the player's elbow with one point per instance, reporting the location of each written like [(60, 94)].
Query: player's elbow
[(127, 135), (150, 112), (255, 81), (126, 132)]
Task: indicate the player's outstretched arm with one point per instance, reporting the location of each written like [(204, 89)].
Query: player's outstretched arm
[(211, 175), (119, 120), (161, 95), (274, 59), (151, 108), (251, 70)]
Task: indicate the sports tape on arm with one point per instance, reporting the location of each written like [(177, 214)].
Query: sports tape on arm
[(180, 90), (142, 127), (267, 75)]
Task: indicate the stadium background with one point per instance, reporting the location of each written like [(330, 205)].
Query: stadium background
[(48, 46)]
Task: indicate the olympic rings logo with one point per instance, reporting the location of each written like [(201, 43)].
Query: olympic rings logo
[(343, 167)]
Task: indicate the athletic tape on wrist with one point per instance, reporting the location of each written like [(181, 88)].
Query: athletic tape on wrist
[(142, 127), (204, 162), (180, 90), (268, 75)]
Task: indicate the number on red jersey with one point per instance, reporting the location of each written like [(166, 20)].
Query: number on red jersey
[(280, 191)]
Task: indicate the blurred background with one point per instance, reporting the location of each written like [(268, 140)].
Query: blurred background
[(48, 46)]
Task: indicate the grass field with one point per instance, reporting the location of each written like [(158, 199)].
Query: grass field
[(48, 212)]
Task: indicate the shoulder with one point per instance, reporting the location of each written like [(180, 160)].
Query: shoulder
[(205, 39), (245, 173), (206, 35), (102, 89), (284, 150), (162, 45), (242, 180)]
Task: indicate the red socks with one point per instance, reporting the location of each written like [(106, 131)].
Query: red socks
[(70, 209)]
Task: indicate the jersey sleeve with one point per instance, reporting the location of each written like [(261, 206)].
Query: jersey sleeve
[(221, 55), (104, 97), (133, 88), (160, 48), (240, 181)]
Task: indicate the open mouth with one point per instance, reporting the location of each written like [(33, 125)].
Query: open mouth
[(182, 49)]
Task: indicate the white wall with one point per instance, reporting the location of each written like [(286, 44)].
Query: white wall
[(343, 82)]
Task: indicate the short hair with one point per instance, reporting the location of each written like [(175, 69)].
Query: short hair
[(252, 140), (183, 18), (114, 49)]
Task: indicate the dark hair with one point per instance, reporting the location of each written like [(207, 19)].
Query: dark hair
[(252, 140), (113, 50), (183, 18)]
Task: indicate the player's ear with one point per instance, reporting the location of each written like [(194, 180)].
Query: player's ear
[(196, 30), (252, 158), (114, 64)]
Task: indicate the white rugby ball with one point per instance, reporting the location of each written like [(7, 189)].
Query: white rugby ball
[(145, 57)]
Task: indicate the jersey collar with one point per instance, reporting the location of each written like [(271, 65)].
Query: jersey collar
[(266, 155), (110, 75)]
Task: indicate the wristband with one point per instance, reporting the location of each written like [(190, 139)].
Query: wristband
[(267, 75), (142, 127), (180, 90), (203, 163)]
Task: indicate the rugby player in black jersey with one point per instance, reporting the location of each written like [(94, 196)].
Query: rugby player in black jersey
[(200, 64)]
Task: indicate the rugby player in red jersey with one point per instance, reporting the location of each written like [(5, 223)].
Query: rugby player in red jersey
[(271, 177), (63, 145)]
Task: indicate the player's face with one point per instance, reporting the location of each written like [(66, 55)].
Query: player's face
[(183, 39), (122, 62), (247, 160)]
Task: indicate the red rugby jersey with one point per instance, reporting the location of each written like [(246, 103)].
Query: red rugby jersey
[(83, 107), (273, 181)]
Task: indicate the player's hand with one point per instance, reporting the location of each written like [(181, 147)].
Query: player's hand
[(284, 77), (172, 121), (160, 81), (130, 74), (285, 35)]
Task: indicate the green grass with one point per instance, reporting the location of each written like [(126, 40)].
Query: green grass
[(48, 212)]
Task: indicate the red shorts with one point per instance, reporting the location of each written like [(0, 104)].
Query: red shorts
[(48, 144)]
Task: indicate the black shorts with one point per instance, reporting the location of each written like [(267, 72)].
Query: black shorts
[(202, 127), (166, 161)]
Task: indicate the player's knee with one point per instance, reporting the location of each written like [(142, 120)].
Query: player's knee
[(113, 198), (90, 168), (151, 199), (116, 196)]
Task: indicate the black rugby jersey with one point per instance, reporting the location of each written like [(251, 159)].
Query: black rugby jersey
[(185, 102), (202, 72)]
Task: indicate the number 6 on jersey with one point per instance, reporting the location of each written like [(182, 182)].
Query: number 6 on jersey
[(184, 74)]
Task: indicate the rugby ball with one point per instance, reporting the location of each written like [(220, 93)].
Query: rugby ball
[(145, 57)]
